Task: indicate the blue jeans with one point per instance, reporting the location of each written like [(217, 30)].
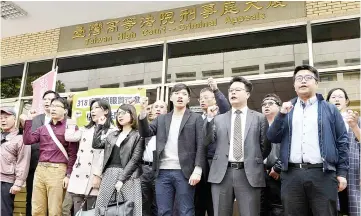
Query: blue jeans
[(171, 185)]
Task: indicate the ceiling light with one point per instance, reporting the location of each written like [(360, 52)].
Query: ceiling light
[(11, 11)]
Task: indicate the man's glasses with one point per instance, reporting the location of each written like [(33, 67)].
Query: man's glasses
[(307, 78), (236, 89), (56, 106), (271, 103)]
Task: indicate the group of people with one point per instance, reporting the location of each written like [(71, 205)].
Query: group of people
[(300, 157)]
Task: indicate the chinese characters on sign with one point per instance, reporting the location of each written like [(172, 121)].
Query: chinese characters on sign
[(204, 17)]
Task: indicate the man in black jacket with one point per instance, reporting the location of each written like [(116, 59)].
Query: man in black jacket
[(180, 153), (272, 194)]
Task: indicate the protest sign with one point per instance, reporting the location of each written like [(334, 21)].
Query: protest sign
[(115, 97)]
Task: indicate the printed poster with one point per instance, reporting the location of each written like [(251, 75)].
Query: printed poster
[(115, 97)]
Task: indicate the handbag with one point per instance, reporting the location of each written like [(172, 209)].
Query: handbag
[(124, 208)]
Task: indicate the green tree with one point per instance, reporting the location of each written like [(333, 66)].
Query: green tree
[(10, 87)]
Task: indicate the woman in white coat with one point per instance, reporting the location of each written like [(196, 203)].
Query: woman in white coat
[(86, 176)]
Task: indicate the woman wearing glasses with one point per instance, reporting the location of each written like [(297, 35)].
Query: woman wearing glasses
[(350, 202), (123, 151), (86, 176)]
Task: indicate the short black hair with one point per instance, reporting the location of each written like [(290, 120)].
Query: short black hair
[(309, 68), (51, 92), (273, 97), (180, 86), (63, 101), (248, 85), (206, 89), (334, 89)]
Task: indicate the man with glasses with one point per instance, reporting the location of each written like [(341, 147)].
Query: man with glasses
[(237, 169), (209, 96), (314, 149), (272, 193), (37, 122), (56, 159)]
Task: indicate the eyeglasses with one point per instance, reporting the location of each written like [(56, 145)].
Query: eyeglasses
[(337, 96), (299, 78), (268, 103), (205, 98), (56, 106), (122, 112), (236, 89)]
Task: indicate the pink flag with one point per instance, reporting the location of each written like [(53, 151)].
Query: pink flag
[(41, 85)]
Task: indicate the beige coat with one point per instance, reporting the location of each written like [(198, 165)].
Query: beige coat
[(89, 161)]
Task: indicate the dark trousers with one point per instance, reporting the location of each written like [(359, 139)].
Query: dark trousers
[(79, 199), (203, 195), (29, 190), (304, 189), (272, 196), (343, 200), (171, 185), (149, 203), (7, 199)]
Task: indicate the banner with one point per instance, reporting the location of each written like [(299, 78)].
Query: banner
[(41, 85), (115, 97)]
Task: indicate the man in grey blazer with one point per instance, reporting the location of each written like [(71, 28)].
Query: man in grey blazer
[(237, 169), (180, 153), (37, 122)]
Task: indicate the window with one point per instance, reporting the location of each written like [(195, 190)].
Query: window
[(125, 68), (11, 80), (336, 44), (327, 77), (271, 51), (36, 70)]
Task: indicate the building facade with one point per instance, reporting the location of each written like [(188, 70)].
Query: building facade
[(262, 41)]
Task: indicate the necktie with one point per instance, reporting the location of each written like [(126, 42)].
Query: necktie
[(237, 137)]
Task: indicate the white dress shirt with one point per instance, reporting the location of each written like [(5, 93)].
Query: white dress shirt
[(243, 119), (149, 148), (47, 120), (305, 146)]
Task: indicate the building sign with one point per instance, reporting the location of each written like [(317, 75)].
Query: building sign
[(191, 19)]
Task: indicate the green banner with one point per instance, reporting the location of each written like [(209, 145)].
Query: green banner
[(115, 97)]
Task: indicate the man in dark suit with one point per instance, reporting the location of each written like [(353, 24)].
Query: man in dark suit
[(209, 96), (37, 122), (237, 169), (180, 153)]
